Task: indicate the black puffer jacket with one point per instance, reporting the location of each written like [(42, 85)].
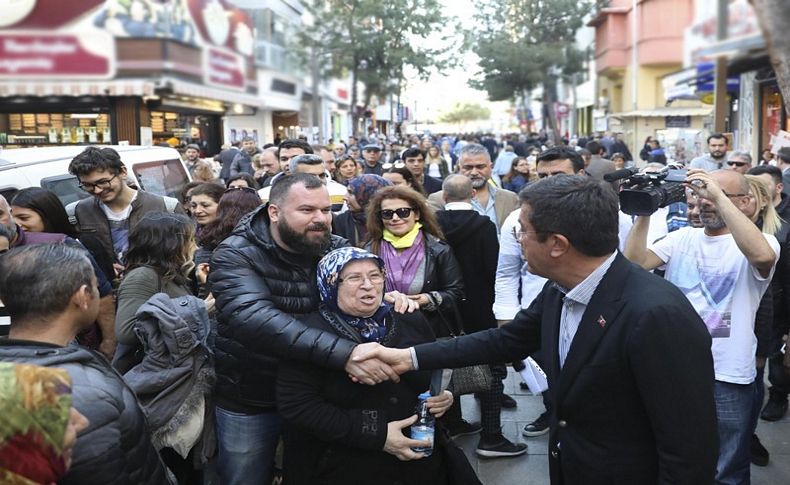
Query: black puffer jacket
[(116, 447), (261, 291)]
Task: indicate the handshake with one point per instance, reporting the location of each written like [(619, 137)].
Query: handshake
[(371, 363)]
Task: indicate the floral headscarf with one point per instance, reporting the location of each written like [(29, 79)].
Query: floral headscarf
[(35, 403), (371, 329), (364, 186)]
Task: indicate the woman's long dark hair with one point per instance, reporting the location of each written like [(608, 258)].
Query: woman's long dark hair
[(513, 172), (413, 198), (409, 178), (47, 205), (232, 207), (160, 240)]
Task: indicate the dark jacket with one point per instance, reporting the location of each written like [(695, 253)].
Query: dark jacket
[(242, 163), (116, 447), (93, 227), (343, 225), (225, 158), (261, 291), (780, 284), (475, 244), (175, 379), (336, 429), (515, 184), (442, 276), (634, 401), (431, 184)]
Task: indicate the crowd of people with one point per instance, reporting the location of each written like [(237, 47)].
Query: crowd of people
[(302, 297)]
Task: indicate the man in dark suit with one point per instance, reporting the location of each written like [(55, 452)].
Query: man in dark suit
[(414, 159), (225, 158), (628, 359)]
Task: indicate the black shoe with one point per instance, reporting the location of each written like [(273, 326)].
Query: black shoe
[(508, 402), (538, 427), (759, 454), (464, 428), (774, 410), (500, 447)]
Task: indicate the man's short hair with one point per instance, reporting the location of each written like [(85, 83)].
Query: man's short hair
[(293, 143), (718, 136), (562, 153), (594, 147), (310, 159), (192, 146), (38, 281), (282, 186), (774, 172), (247, 138), (95, 158), (319, 148), (582, 209), (745, 156), (457, 188), (411, 153), (472, 150), (783, 154)]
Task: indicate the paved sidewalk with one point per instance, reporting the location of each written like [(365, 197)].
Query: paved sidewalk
[(533, 469)]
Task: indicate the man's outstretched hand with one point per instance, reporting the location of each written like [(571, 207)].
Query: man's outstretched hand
[(399, 360), (369, 370)]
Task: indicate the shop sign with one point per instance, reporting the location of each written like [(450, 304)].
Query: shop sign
[(742, 23), (221, 24), (223, 69), (53, 56), (43, 14), (677, 121)]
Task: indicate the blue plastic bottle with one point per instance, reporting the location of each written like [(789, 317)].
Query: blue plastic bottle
[(423, 428)]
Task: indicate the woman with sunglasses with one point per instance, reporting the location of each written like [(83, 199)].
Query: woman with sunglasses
[(403, 231)]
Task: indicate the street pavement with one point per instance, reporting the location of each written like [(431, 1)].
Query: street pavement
[(533, 469)]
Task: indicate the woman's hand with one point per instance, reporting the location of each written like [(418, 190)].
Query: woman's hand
[(201, 273), (438, 405), (398, 444), (421, 299), (210, 303)]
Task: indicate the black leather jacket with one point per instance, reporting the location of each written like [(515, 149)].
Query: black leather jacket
[(261, 291)]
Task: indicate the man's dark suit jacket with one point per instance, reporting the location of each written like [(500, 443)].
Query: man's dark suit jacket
[(431, 184), (634, 400)]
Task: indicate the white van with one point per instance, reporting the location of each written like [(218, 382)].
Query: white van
[(158, 170)]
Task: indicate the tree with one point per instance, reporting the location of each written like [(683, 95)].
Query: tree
[(773, 15), (375, 41), (525, 44), (463, 112)]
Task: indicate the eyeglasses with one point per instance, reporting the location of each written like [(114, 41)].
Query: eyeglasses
[(241, 187), (732, 163), (396, 164), (356, 279), (520, 235), (101, 184), (402, 212)]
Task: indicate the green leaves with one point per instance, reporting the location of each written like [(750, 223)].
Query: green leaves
[(466, 112)]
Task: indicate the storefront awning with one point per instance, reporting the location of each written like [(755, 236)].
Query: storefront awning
[(662, 112), (200, 91), (130, 87)]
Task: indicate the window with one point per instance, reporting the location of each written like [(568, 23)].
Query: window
[(66, 187), (162, 177)]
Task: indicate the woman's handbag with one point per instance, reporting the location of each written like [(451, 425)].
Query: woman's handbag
[(471, 379)]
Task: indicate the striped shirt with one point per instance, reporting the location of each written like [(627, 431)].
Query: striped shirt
[(575, 303)]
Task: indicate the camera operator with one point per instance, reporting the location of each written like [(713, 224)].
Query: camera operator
[(724, 269)]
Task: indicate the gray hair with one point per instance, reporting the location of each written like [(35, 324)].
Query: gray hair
[(307, 159), (457, 188), (61, 271), (11, 223), (745, 156), (474, 149)]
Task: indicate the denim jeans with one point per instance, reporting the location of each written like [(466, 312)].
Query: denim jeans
[(247, 444), (734, 412)]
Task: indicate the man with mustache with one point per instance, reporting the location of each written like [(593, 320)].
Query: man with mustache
[(263, 278), (724, 269), (716, 156)]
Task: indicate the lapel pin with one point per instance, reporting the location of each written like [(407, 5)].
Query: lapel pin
[(601, 321)]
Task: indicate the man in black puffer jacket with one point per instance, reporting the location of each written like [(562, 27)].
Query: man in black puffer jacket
[(263, 278), (49, 305)]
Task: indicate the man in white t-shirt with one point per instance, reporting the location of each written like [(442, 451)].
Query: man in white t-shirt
[(723, 269)]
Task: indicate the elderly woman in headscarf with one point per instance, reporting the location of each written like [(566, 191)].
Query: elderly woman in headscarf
[(38, 425), (340, 432), (352, 224)]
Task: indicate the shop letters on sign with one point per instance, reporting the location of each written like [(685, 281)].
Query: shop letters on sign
[(224, 69), (44, 55)]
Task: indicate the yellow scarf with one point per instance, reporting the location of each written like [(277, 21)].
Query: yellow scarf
[(404, 241)]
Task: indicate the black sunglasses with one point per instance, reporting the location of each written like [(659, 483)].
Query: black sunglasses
[(737, 164), (402, 212)]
